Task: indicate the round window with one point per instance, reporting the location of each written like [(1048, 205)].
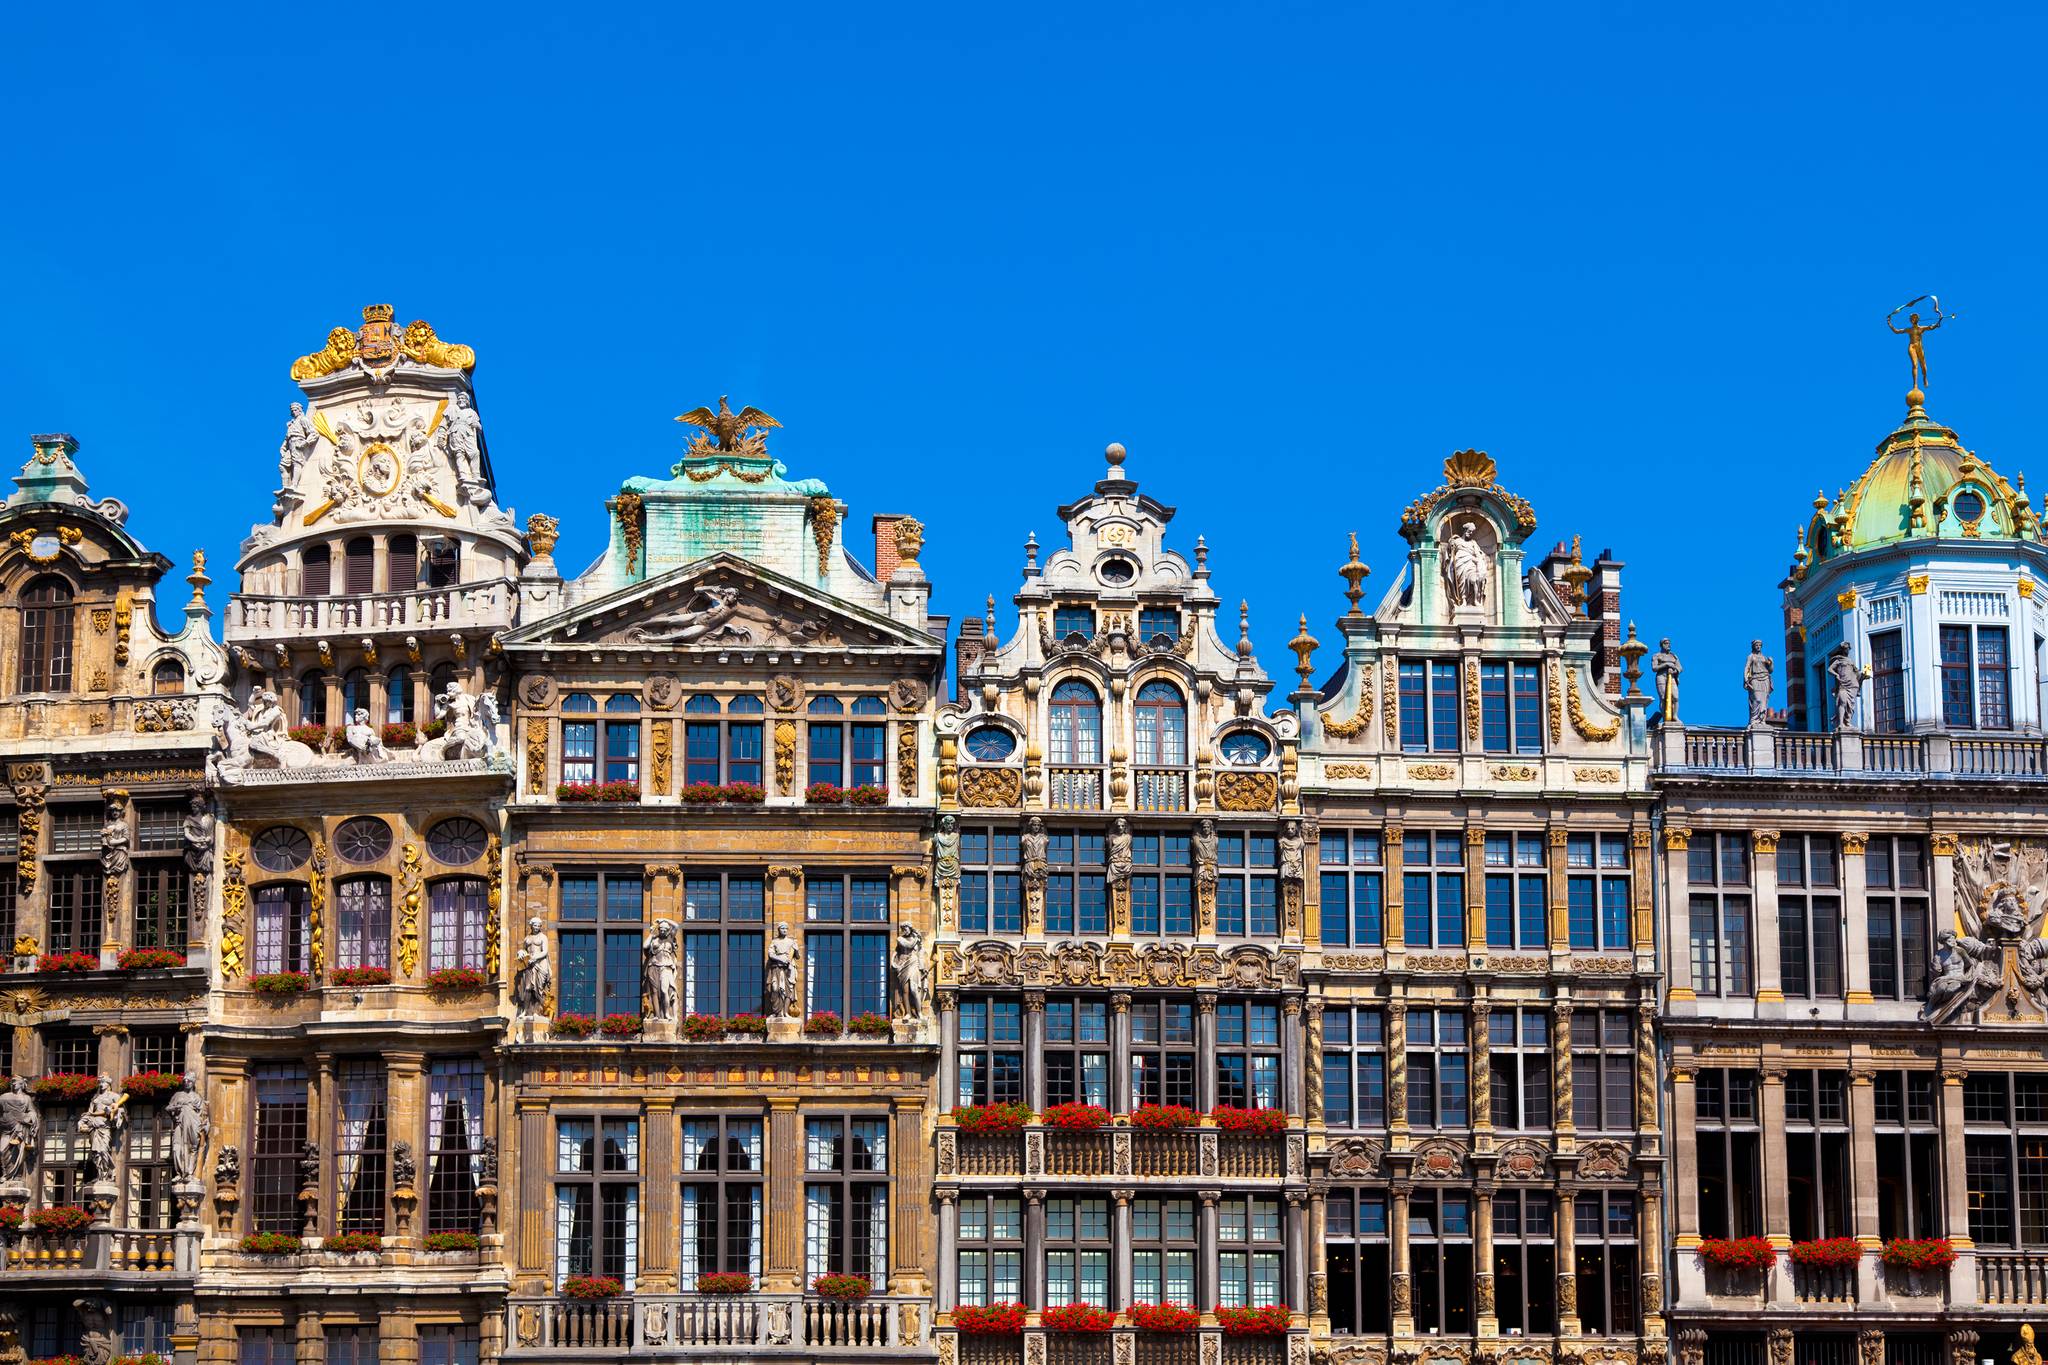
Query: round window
[(362, 840), (990, 744), (457, 842), (281, 848), (1117, 571), (1969, 505), (1245, 748)]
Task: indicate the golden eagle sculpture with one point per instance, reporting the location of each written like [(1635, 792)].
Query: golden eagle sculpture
[(742, 432)]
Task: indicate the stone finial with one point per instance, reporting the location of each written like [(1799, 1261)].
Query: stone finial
[(1031, 554), (1244, 629), (1304, 646), (542, 532), (1354, 573), (1633, 650), (909, 538)]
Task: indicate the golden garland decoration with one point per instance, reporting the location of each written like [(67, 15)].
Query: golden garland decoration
[(409, 910), (234, 904), (1586, 728), (1361, 718), (707, 473), (1556, 704), (785, 757), (1390, 679), (316, 901), (662, 752), (1472, 701), (494, 900)]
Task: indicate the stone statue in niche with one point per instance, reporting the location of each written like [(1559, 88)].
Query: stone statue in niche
[(910, 985), (105, 1116), (658, 961), (536, 975), (1756, 681), (1118, 868), (1205, 851), (778, 981), (114, 839), (21, 1129), (1466, 567), (465, 447), (190, 1127)]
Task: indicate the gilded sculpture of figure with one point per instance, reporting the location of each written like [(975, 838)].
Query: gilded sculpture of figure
[(1665, 667), (21, 1130), (778, 978), (658, 971), (536, 976), (190, 1126), (1756, 680), (909, 984), (104, 1118), (1466, 568), (1915, 333)]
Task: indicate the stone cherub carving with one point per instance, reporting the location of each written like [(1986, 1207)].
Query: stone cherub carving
[(1846, 680), (536, 975), (658, 962), (1466, 567), (1756, 681), (778, 980), (105, 1116), (909, 985), (191, 1124), (1665, 667), (21, 1129)]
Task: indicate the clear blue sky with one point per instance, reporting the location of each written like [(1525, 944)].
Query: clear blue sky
[(1291, 256)]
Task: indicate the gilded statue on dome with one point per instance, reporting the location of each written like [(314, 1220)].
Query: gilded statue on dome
[(1915, 333)]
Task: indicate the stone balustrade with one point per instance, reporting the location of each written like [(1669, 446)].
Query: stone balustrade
[(1119, 1152), (101, 1252), (714, 1324), (483, 606), (1686, 750)]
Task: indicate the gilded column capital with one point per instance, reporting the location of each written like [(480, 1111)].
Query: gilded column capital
[(1557, 836), (1855, 841), (1943, 845), (1764, 840), (1395, 833), (1676, 838), (948, 1001), (1034, 1002), (786, 872), (1291, 1006), (1120, 1002), (1205, 1002), (1475, 836), (909, 872)]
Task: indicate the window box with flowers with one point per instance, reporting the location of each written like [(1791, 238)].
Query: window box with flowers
[(57, 1360), (401, 734), (1163, 1118), (150, 1358), (1919, 1255), (280, 985), (1077, 1317), (318, 738), (456, 978), (824, 794), (1076, 1118), (11, 1219), (1164, 1317), (1738, 1254), (992, 1118), (725, 1282), (867, 795), (359, 976), (746, 1025), (605, 792), (724, 794), (270, 1244), (151, 960), (64, 1087), (842, 1288), (152, 1087), (573, 1026), (50, 964), (1828, 1253), (451, 1241), (60, 1218), (591, 1287), (1256, 1122), (1270, 1321), (868, 1024), (353, 1243), (621, 1026), (989, 1320), (434, 729), (823, 1024), (701, 1028)]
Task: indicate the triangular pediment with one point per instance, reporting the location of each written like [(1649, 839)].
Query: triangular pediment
[(722, 602)]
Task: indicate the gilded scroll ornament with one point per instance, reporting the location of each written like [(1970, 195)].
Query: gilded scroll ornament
[(494, 902), (1586, 727), (661, 756), (824, 524), (537, 755), (986, 787), (1237, 791), (1389, 680), (906, 759), (1361, 719), (24, 541), (785, 757), (28, 801), (408, 910), (1431, 772), (316, 903), (628, 508)]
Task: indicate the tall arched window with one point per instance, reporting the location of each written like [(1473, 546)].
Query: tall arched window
[(622, 738), (403, 567), (355, 694), (359, 566), (398, 696), (579, 738), (1076, 724), (1161, 719), (167, 679), (313, 697), (46, 634), (316, 571)]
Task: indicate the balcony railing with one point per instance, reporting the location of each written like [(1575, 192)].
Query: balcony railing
[(1706, 750), (1186, 1154), (1073, 788), (479, 606), (1807, 753), (1999, 757), (102, 1251), (670, 1321), (1830, 1285), (1159, 789), (2012, 1277), (1123, 1343)]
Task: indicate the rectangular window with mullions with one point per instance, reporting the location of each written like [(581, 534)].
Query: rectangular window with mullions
[(1247, 885), (455, 1144), (1518, 1065), (721, 746), (723, 942), (1163, 898), (846, 1197), (1248, 1055), (1076, 893), (1354, 1068), (990, 1057), (1603, 1070), (1163, 1052), (1888, 683), (1525, 1262), (1596, 892), (1976, 678), (1729, 1152), (597, 1197), (1517, 903), (10, 885), (1357, 1261), (1077, 1252), (1076, 1051), (1895, 901), (991, 1255), (720, 1213), (1511, 707), (2005, 1158), (1429, 705), (1440, 1260), (1353, 883), (1817, 1153), (847, 970), (991, 885), (1438, 1084), (600, 964), (1809, 917), (1906, 1126), (1250, 1258), (456, 916), (277, 1125), (1717, 867), (1605, 1255), (163, 901), (361, 1145), (72, 922), (1164, 1245), (1433, 890)]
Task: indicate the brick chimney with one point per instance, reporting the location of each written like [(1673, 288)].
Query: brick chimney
[(887, 556), (1603, 604)]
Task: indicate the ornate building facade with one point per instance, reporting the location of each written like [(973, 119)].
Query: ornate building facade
[(1856, 1017), (721, 1076), (104, 857), (352, 1050), (1486, 1155), (1119, 954)]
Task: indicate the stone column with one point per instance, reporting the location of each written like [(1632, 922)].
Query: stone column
[(398, 1338), (1205, 1051), (949, 1255), (1034, 1049), (1777, 1194), (1403, 1286), (1120, 1052), (949, 1049), (406, 1121), (227, 1091), (1312, 1081), (783, 1269), (1392, 890), (1678, 915), (1567, 1265), (534, 1156), (113, 1055), (1482, 1259), (309, 1337), (1763, 924), (1121, 1236), (320, 1099), (1642, 897), (1863, 1181), (1290, 1057), (1561, 1068), (1955, 1186), (1208, 1274), (1034, 1247), (909, 1271), (1856, 929), (1297, 1247), (1397, 1066), (658, 1185), (1559, 889), (1652, 1252), (1314, 1253), (1475, 888)]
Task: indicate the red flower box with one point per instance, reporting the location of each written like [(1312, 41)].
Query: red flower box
[(992, 1118), (451, 1241), (401, 734), (150, 960), (702, 1028), (989, 1320), (866, 795), (591, 1287), (1232, 1119), (1271, 1321), (1077, 1317), (455, 978), (314, 737), (621, 1026), (360, 976), (351, 1242), (10, 1218), (1923, 1254), (1164, 1117), (1164, 1317), (825, 794), (1738, 1253), (868, 1024), (823, 1024), (60, 1218), (1828, 1253), (752, 1024), (842, 1288), (270, 1244), (152, 1086), (597, 791), (734, 793), (64, 1087), (725, 1282), (573, 1026), (1076, 1118), (51, 963), (281, 983)]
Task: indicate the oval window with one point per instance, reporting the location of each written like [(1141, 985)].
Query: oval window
[(457, 842), (990, 744), (281, 848), (1245, 748), (1117, 571), (1969, 505), (362, 840)]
